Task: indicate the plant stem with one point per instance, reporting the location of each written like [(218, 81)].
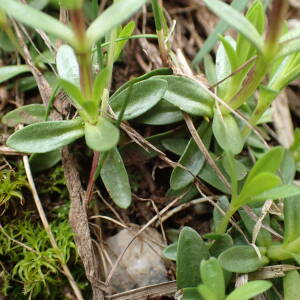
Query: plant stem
[(158, 18), (222, 226), (83, 53)]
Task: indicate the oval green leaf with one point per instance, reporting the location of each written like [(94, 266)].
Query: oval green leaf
[(46, 136), (115, 179), (144, 96), (43, 161), (101, 137), (241, 259), (67, 65), (170, 252), (227, 133), (188, 95), (191, 251), (27, 114), (291, 285), (163, 113)]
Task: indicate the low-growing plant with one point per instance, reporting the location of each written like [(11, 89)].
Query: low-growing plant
[(264, 57)]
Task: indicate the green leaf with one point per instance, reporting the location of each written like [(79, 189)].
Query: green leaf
[(256, 16), (43, 161), (175, 145), (291, 285), (222, 243), (67, 65), (144, 96), (26, 114), (9, 72), (170, 252), (237, 21), (223, 70), (192, 158), (229, 47), (210, 70), (38, 20), (214, 36), (188, 95), (115, 179), (86, 108), (111, 17), (207, 293), (125, 32), (208, 174), (46, 136), (157, 72), (250, 290), (99, 85), (212, 276), (163, 113), (227, 133), (283, 191), (289, 47), (264, 237), (241, 259), (101, 137), (269, 162), (291, 219), (74, 93), (258, 185), (190, 294), (190, 252)]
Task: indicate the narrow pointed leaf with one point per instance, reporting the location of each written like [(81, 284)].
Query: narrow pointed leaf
[(115, 179), (220, 29), (191, 251), (188, 95), (99, 85), (269, 162), (46, 136), (144, 96), (283, 191), (102, 136), (249, 290), (9, 72), (291, 219), (111, 17), (258, 185), (36, 19), (67, 65), (237, 21), (126, 32), (74, 92), (27, 114)]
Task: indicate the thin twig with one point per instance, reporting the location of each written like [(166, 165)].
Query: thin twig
[(203, 149)]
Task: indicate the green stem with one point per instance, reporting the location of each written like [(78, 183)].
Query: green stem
[(222, 226), (83, 53)]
